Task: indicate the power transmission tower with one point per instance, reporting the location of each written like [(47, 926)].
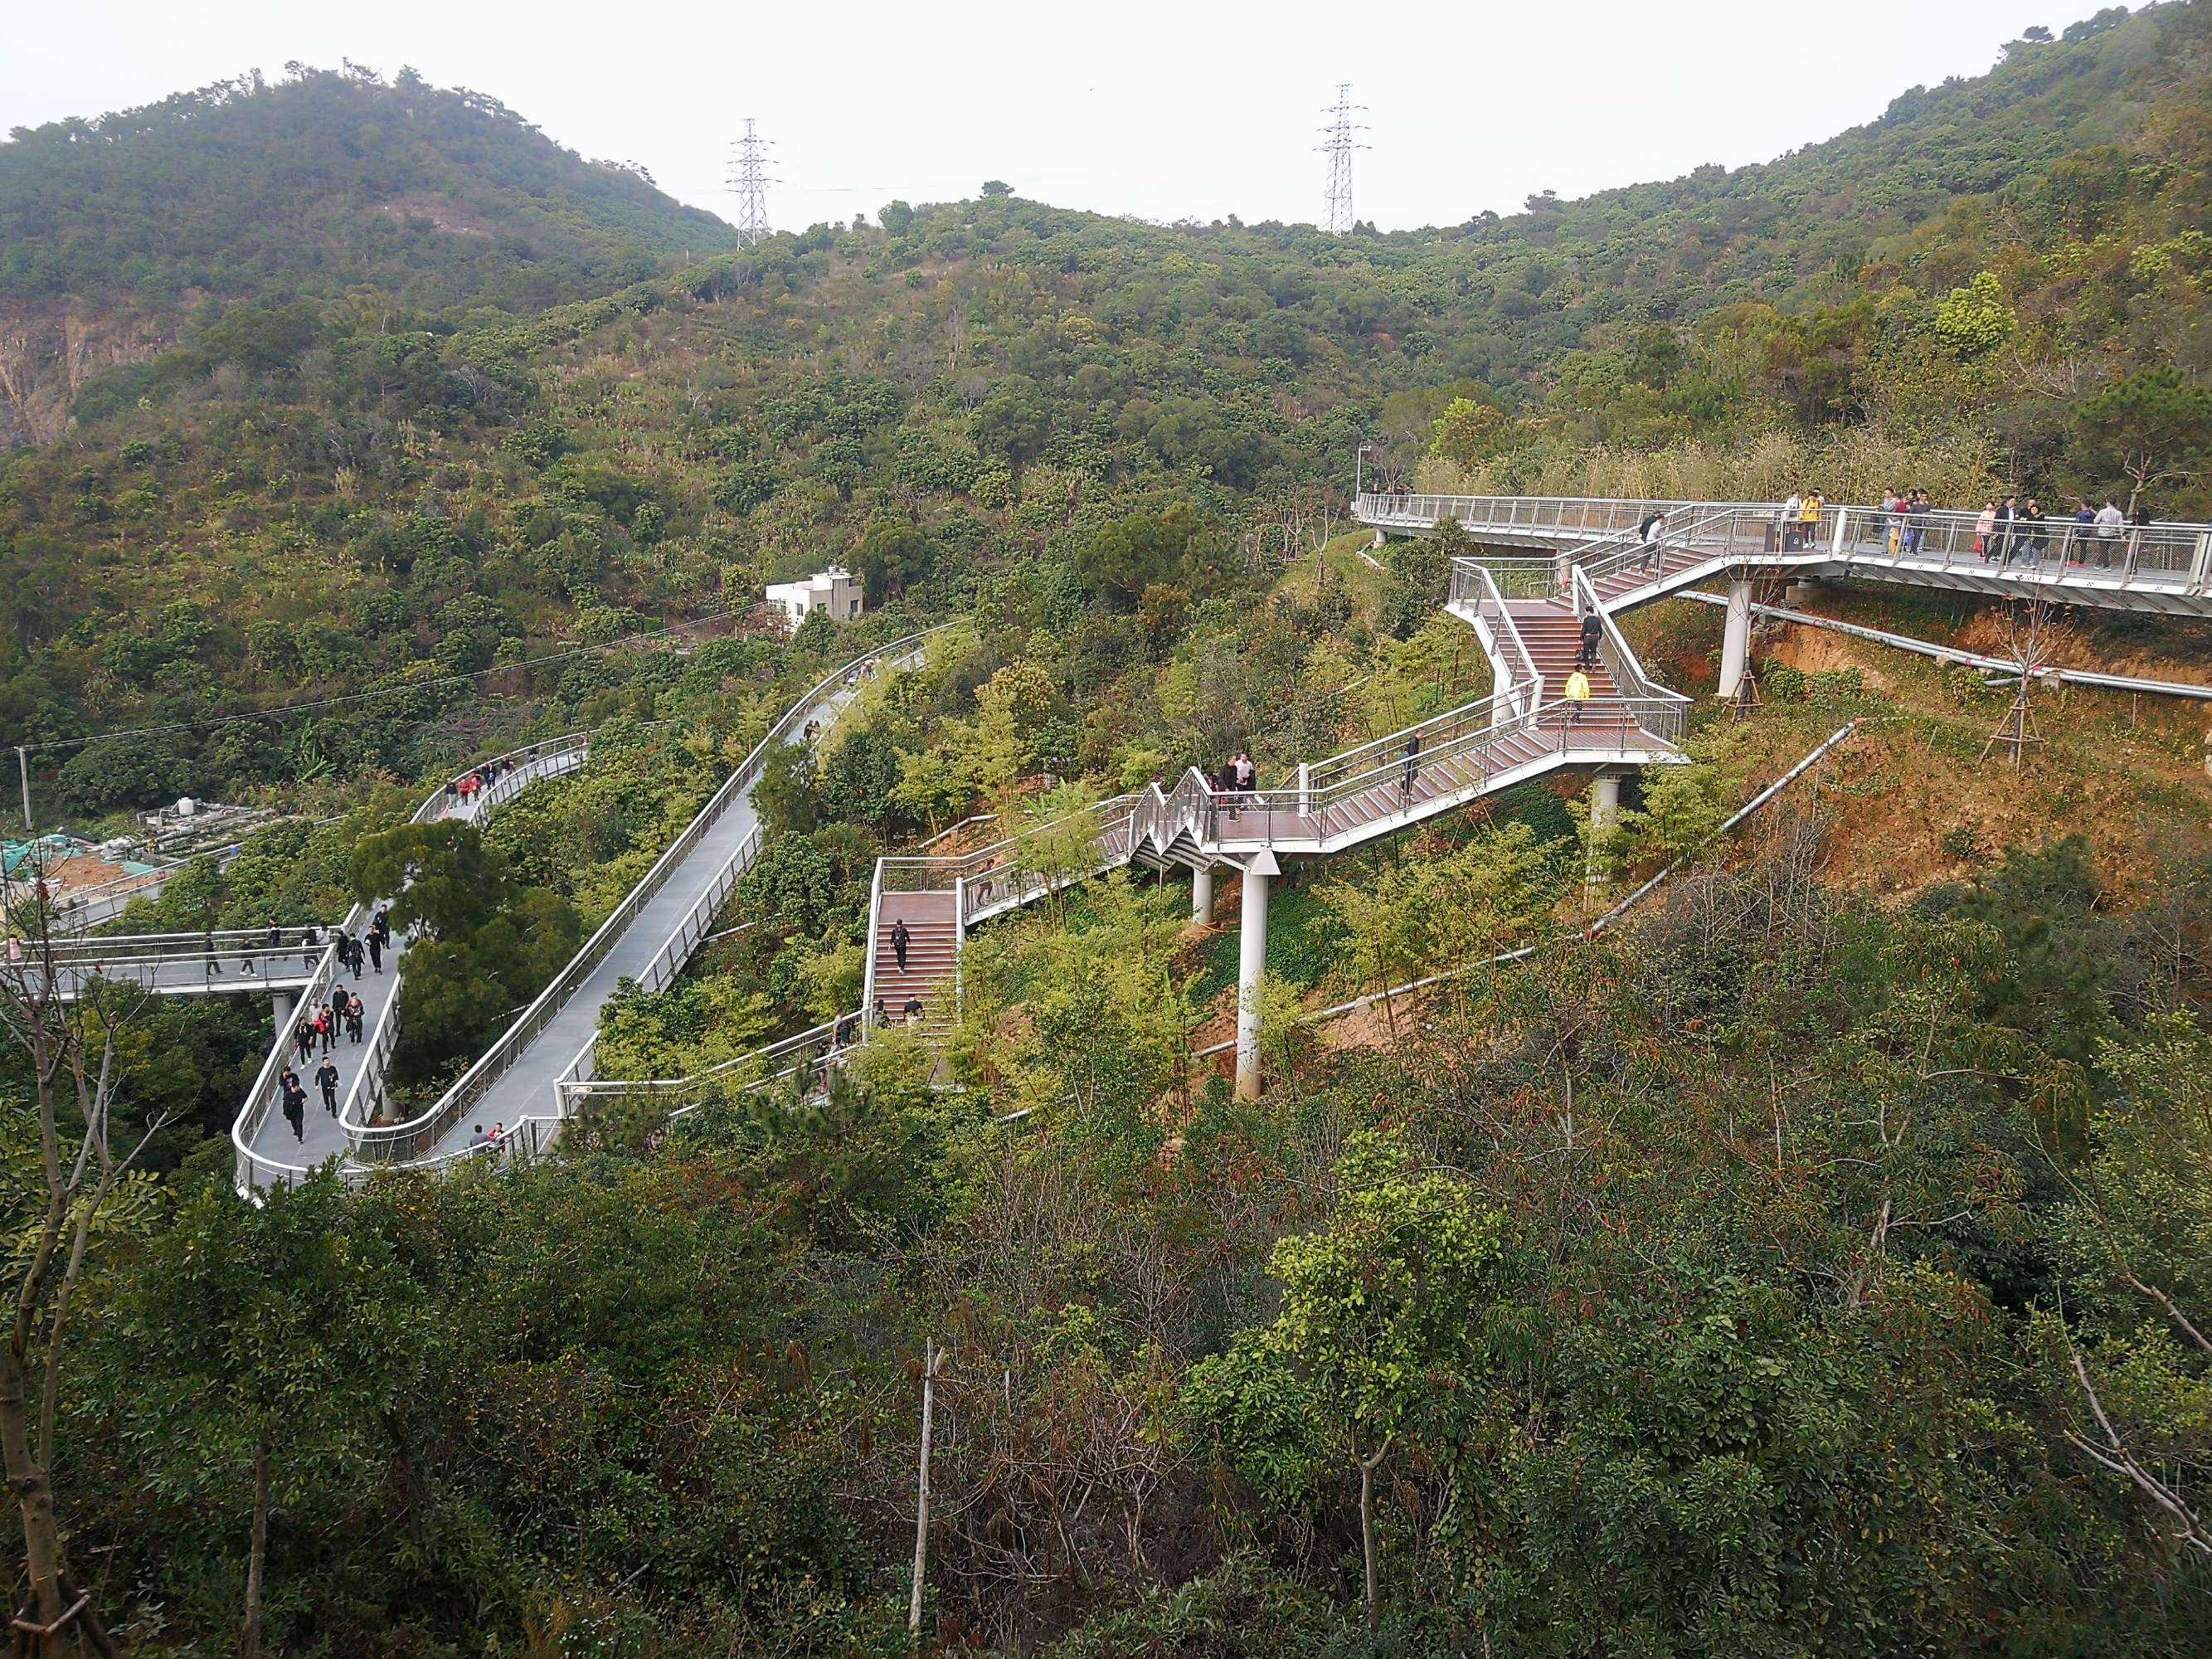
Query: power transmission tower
[(750, 180), (1339, 148)]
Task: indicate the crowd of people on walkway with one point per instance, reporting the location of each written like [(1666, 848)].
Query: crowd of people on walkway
[(340, 1017), (2008, 530), (462, 792)]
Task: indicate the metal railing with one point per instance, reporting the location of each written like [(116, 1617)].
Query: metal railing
[(748, 1073), (675, 949), (2176, 556), (235, 960), (417, 1136)]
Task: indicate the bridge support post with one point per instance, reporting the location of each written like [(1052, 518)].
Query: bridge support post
[(1251, 960), (1202, 896), (282, 1006), (1735, 643), (1604, 812)]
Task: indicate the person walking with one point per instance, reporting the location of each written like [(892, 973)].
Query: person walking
[(2001, 526), (323, 1026), (295, 1102), (1922, 511), (326, 1079), (214, 966), (1592, 629), (354, 1022), (1648, 533), (2079, 532), (303, 1038), (841, 1037), (1786, 522), (901, 937), (375, 947), (310, 943), (1413, 764), (384, 924), (1577, 693)]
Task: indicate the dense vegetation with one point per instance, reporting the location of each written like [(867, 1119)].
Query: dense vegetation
[(1817, 1265)]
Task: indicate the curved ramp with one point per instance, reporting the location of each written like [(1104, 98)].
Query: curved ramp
[(648, 938), (267, 1152)]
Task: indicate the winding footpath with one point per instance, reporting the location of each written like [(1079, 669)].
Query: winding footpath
[(1545, 567)]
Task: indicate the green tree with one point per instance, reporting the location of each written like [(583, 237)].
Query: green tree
[(1013, 422), (263, 1339), (1381, 1324), (2153, 428)]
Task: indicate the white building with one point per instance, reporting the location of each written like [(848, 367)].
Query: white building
[(835, 590)]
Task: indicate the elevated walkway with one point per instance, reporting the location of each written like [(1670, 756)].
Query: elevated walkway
[(1525, 729), (517, 1083), (2165, 568), (267, 1153)]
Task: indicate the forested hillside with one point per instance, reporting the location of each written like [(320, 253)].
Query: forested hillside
[(966, 386), (1815, 1263), (119, 233)]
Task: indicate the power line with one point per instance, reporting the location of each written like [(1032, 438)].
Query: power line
[(1339, 148), (750, 180), (352, 697)]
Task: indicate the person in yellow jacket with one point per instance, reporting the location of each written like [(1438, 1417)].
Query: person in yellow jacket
[(1809, 518), (1578, 692)]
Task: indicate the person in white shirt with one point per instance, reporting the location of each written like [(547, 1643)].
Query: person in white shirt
[(1790, 521), (2110, 522)]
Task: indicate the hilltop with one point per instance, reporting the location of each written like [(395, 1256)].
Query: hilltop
[(116, 234)]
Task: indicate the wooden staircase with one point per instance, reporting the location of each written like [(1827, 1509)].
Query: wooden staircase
[(931, 975), (1553, 635)]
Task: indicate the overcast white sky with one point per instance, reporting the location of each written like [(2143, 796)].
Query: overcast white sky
[(1163, 111)]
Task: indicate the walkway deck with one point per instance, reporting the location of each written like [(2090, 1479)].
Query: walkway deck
[(276, 1153)]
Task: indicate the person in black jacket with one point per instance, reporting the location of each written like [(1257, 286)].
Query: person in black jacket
[(326, 1079), (295, 1102), (900, 939), (1592, 629)]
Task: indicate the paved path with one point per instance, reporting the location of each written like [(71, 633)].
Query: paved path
[(274, 1141), (527, 1087)]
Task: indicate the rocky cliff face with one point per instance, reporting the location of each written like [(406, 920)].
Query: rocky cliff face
[(47, 353)]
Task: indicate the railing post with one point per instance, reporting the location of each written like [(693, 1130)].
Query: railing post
[(1305, 789), (2202, 564), (1843, 521)]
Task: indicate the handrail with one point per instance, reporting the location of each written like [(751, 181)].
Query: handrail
[(416, 1136), (814, 1042), (2167, 556)]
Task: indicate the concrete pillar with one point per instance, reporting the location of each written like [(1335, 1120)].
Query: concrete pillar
[(1251, 961), (282, 1003), (1735, 644), (1604, 809), (1202, 896)]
